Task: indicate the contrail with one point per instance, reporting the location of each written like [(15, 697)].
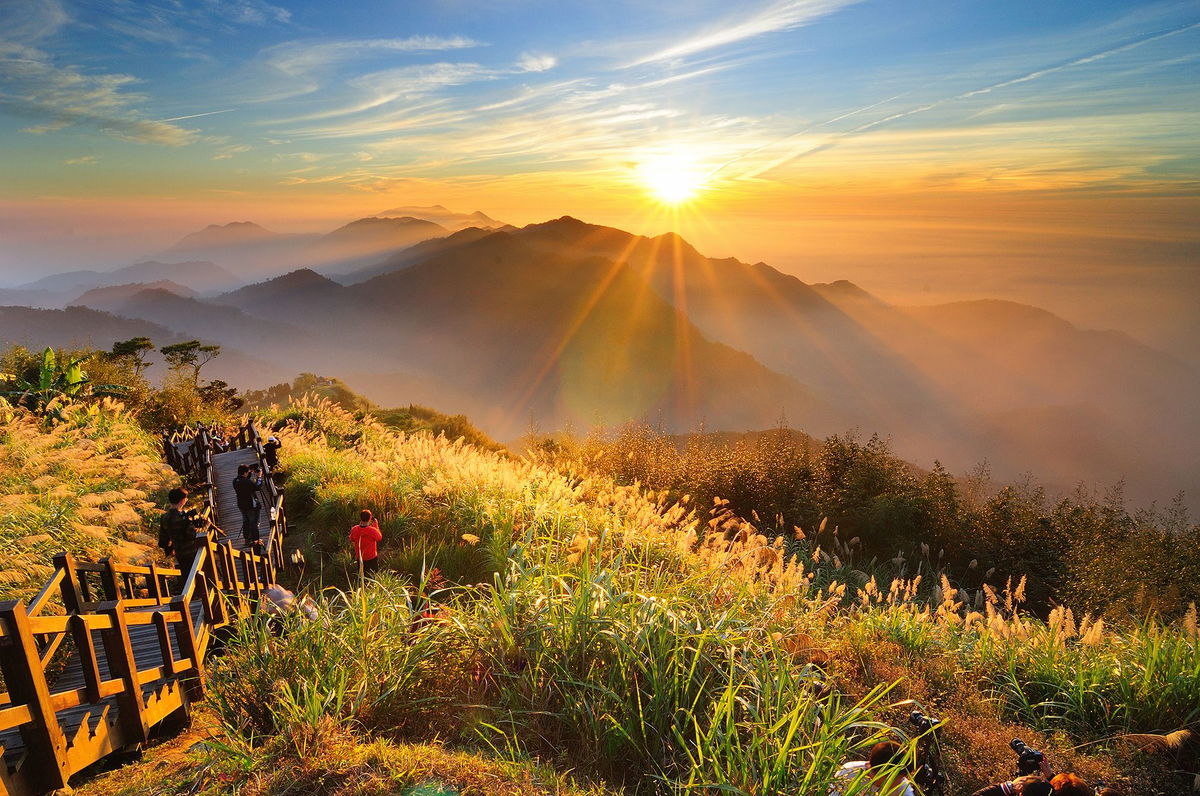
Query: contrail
[(1086, 59), (193, 116)]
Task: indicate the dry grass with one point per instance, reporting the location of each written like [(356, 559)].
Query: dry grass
[(88, 485)]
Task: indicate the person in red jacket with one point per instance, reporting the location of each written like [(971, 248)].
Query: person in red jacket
[(365, 538)]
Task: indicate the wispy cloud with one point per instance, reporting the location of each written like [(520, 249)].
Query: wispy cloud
[(86, 160), (34, 86), (57, 97), (802, 144), (773, 18), (226, 152), (300, 65), (529, 62)]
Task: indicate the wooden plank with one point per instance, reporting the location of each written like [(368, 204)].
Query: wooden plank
[(14, 717)]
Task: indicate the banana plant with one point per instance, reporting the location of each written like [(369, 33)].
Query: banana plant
[(56, 386)]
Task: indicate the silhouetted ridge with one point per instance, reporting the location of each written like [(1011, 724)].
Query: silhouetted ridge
[(303, 283)]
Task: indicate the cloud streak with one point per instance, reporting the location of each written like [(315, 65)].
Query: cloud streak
[(34, 86), (811, 149), (774, 18)]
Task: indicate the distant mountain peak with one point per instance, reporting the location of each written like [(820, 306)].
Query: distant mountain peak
[(239, 225), (383, 225), (234, 232), (104, 298), (440, 214), (301, 277), (845, 290)]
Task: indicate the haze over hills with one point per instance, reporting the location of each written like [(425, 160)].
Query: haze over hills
[(258, 253), (200, 276), (114, 296), (446, 218), (568, 322), (83, 327)]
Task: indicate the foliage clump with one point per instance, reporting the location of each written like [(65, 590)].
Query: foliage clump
[(661, 646), (86, 485), (1090, 552)]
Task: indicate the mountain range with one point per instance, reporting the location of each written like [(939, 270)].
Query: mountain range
[(570, 323)]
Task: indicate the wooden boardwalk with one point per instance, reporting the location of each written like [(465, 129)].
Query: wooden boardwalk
[(128, 652)]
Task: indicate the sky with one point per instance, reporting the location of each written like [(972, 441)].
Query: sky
[(928, 150)]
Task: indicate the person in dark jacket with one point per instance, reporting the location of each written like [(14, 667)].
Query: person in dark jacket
[(177, 531), (247, 485), (271, 452)]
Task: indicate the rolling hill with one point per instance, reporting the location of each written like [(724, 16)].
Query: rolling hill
[(569, 322)]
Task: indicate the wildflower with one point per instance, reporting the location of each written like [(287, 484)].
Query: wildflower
[(470, 539)]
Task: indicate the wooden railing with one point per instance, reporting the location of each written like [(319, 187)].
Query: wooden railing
[(128, 651)]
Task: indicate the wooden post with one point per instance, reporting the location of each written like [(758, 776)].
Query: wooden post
[(156, 584), (185, 637), (26, 680), (71, 595), (164, 643), (87, 656), (123, 664), (110, 579)]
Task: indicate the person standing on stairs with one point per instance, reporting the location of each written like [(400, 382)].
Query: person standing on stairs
[(247, 485), (177, 530), (271, 452)]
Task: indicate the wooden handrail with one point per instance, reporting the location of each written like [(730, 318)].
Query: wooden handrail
[(109, 603)]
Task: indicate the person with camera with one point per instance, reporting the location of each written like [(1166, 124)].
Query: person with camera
[(881, 770), (177, 530), (365, 538), (1033, 775), (246, 486)]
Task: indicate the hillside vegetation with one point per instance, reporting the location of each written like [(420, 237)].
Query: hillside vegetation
[(649, 645), (1085, 550), (87, 485)]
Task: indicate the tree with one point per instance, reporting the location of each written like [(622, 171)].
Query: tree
[(190, 354), (57, 383), (132, 351), (220, 395)]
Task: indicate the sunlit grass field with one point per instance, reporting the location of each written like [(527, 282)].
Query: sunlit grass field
[(650, 647), (90, 485)]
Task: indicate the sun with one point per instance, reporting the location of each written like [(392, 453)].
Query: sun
[(672, 179)]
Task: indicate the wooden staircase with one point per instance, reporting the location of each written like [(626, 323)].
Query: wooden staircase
[(127, 652)]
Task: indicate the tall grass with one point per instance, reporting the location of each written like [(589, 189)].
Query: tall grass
[(628, 636), (85, 485)]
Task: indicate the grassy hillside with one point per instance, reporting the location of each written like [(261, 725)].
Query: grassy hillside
[(88, 486), (648, 645)]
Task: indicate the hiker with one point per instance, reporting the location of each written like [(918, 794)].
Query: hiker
[(271, 452), (279, 602), (1037, 783), (1069, 784), (177, 530), (365, 537), (249, 480), (880, 770), (1030, 785)]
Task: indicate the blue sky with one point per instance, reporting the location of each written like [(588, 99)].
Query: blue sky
[(218, 95), (929, 149)]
